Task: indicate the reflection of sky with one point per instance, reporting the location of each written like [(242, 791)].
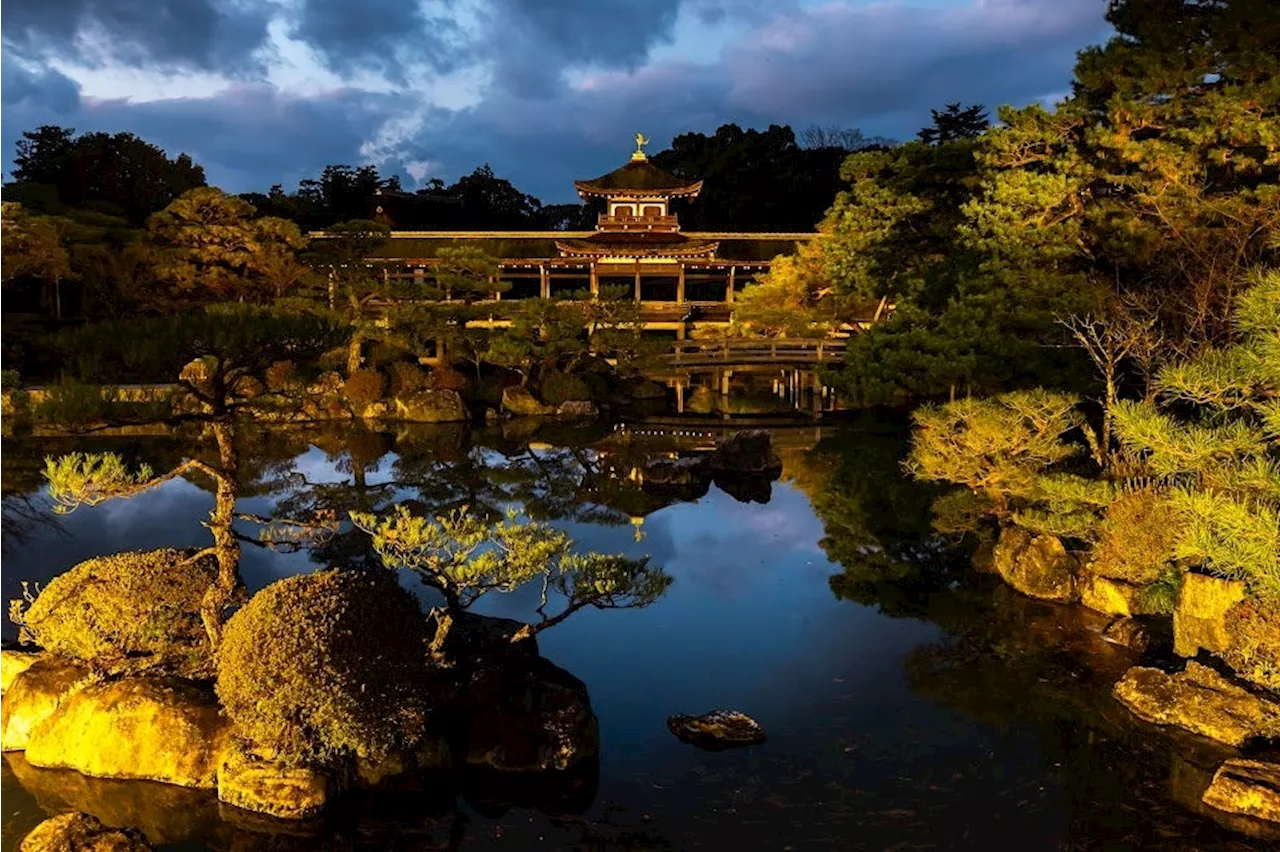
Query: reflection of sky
[(748, 623)]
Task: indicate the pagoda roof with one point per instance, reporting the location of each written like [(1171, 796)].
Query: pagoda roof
[(637, 244), (639, 177)]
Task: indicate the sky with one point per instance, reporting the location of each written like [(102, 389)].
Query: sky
[(262, 92)]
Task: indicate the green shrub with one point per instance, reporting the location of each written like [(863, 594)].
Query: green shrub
[(1254, 650), (364, 387), (405, 378), (10, 381), (323, 665), (1137, 537), (281, 375), (138, 605), (72, 404), (1161, 596), (558, 387)]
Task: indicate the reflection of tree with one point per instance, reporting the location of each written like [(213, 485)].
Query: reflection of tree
[(876, 520)]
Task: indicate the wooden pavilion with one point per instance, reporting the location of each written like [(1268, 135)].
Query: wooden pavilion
[(637, 244)]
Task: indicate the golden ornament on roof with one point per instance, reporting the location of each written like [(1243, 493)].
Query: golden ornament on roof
[(641, 141)]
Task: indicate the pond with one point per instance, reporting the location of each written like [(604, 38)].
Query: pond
[(910, 702)]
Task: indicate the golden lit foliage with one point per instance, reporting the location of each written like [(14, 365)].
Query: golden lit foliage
[(141, 605), (364, 387), (87, 479), (998, 446), (465, 556), (1137, 540), (1254, 651), (323, 665)]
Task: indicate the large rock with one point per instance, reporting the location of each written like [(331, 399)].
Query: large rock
[(1110, 597), (77, 832), (690, 470), (747, 453), (430, 406), (1129, 632), (577, 408), (1249, 787), (13, 662), (263, 786), (152, 728), (1200, 621), (1036, 565), (525, 714), (33, 696), (1201, 701), (519, 401)]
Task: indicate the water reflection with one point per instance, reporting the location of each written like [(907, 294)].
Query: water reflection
[(909, 701)]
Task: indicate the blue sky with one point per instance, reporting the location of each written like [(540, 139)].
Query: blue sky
[(269, 91)]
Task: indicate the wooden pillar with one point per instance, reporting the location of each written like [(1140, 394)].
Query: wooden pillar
[(679, 397), (637, 280), (544, 282), (595, 282), (728, 296), (680, 286)]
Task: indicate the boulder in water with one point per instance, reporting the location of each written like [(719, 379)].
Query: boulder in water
[(1036, 565), (78, 832), (148, 728), (719, 729), (519, 401), (430, 406), (33, 696), (1201, 701), (1249, 787)]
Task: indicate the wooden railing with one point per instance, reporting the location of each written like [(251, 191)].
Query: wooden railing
[(637, 223), (779, 350)]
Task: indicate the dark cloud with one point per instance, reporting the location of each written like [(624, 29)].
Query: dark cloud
[(380, 35), (179, 33), (877, 67)]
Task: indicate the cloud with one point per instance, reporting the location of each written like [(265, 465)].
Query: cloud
[(545, 92), (383, 35), (176, 33)]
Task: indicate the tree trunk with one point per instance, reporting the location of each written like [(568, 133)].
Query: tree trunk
[(226, 548), (353, 352)]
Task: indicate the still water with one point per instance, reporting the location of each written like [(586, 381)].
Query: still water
[(910, 702)]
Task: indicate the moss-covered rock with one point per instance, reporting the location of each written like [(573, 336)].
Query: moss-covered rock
[(33, 697), (149, 728), (326, 665), (1249, 787), (719, 729), (1199, 700), (1036, 565), (558, 387), (139, 606), (1200, 618), (1129, 632), (78, 832)]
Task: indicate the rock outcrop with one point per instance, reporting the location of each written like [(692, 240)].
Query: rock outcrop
[(430, 406), (1249, 787), (1036, 565), (77, 832), (517, 400), (577, 408), (150, 728), (33, 696), (1199, 700), (1110, 597), (1199, 621), (717, 730), (1129, 632), (263, 786), (519, 713), (13, 662)]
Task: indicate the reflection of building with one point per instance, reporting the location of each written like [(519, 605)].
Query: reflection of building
[(637, 246)]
